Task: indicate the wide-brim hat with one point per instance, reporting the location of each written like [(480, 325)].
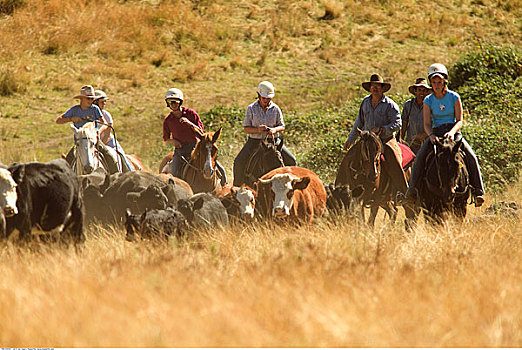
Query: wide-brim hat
[(419, 82), (86, 91), (100, 95), (376, 78)]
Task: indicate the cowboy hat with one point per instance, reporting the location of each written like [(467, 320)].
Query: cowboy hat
[(86, 91), (419, 82), (376, 78), (100, 95)]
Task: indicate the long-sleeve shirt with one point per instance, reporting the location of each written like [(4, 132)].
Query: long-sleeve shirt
[(385, 115), (181, 132), (412, 115)]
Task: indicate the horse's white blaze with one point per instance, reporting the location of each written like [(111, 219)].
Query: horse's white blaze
[(8, 195), (246, 200), (208, 169), (281, 185)]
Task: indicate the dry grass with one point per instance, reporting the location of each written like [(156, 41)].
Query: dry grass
[(321, 285)]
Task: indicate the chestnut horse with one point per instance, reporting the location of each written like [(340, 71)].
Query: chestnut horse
[(200, 171)]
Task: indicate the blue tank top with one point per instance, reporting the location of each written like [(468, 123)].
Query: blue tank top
[(442, 109)]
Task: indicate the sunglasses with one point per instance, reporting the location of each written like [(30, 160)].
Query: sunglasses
[(173, 101)]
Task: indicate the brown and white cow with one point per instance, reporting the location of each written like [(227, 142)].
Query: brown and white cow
[(292, 192), (240, 202), (8, 198)]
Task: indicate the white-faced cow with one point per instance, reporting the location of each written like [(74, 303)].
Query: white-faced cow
[(292, 192), (240, 202), (48, 200), (7, 198)]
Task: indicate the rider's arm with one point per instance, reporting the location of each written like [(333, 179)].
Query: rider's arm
[(426, 116), (458, 117), (63, 119), (394, 121), (405, 121)]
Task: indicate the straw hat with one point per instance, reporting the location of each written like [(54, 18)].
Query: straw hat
[(419, 82), (86, 91), (376, 78)]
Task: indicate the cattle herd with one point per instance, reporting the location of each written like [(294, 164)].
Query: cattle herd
[(49, 202)]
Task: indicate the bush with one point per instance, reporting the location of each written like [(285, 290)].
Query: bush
[(10, 82), (489, 83), (7, 7)]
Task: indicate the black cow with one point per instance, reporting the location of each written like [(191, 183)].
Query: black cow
[(155, 223), (203, 209), (339, 198), (48, 199), (135, 190)]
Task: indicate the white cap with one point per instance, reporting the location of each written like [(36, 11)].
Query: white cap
[(174, 94), (266, 89)]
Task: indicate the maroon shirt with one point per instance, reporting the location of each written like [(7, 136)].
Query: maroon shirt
[(181, 132)]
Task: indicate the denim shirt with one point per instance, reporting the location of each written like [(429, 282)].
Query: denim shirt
[(385, 115), (414, 115), (255, 116)]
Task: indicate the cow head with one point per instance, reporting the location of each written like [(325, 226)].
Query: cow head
[(283, 187), (240, 202), (8, 194), (153, 197), (187, 208)]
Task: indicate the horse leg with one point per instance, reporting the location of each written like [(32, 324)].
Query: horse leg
[(373, 213), (390, 208)]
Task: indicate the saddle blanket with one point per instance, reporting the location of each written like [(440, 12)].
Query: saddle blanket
[(407, 156)]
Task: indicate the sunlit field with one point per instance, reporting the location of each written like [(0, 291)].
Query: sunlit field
[(333, 283)]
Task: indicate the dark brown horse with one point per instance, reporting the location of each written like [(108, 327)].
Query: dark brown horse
[(361, 168), (445, 187), (265, 158), (200, 170)]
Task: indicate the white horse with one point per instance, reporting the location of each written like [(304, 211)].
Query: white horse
[(87, 156)]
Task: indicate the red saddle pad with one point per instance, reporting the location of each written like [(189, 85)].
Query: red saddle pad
[(407, 155)]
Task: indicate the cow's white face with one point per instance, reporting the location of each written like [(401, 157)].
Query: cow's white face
[(7, 193), (283, 186), (247, 202)]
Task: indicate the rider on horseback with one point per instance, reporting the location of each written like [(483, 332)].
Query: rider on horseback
[(263, 119), (381, 114), (105, 130), (81, 114), (180, 130), (443, 118), (412, 113)]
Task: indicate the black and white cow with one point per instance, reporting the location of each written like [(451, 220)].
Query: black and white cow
[(48, 200)]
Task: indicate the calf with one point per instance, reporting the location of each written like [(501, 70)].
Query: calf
[(7, 198), (155, 223), (240, 202), (48, 199), (203, 209), (293, 192)]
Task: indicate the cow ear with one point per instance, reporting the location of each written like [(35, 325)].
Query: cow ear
[(216, 135), (198, 204), (132, 196), (172, 182), (300, 184)]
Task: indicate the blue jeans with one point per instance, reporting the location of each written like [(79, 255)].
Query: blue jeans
[(475, 176)]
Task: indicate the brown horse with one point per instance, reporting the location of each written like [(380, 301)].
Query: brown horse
[(200, 170), (361, 168)]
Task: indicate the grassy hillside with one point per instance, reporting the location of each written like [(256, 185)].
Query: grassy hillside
[(315, 52)]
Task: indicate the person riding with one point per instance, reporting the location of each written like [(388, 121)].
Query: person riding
[(380, 114), (81, 114), (263, 118), (104, 131), (412, 111), (180, 128), (443, 119)]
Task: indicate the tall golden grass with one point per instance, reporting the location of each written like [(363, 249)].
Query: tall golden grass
[(328, 284)]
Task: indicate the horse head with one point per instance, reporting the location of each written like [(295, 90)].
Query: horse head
[(370, 153), (204, 154), (85, 139), (444, 170), (266, 157)]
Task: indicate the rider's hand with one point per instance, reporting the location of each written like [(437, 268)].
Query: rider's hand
[(347, 145), (270, 131), (185, 121), (433, 138), (176, 143), (450, 136), (262, 128)]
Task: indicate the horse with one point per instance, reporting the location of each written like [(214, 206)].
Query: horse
[(417, 141), (361, 168), (445, 187), (266, 157), (89, 158), (200, 171)]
